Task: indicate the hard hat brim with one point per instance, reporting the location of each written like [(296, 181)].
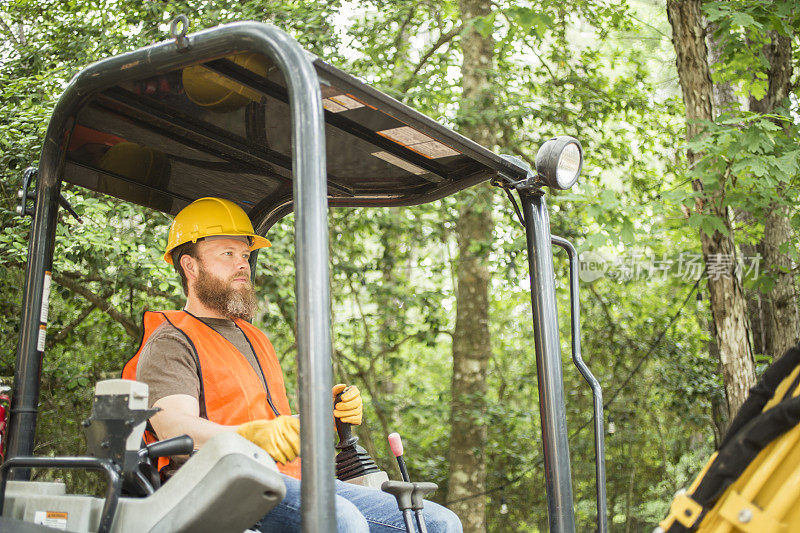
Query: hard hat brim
[(256, 242)]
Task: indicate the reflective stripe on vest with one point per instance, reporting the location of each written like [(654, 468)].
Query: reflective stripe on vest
[(231, 392)]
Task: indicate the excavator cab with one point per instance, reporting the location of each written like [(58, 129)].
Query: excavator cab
[(241, 112)]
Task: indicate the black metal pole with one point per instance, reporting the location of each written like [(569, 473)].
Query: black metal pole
[(548, 363), (33, 319)]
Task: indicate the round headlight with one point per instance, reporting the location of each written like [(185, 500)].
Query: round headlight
[(559, 162)]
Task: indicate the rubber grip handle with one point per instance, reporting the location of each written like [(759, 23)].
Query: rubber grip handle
[(421, 488), (182, 445), (401, 490), (396, 444), (343, 429)]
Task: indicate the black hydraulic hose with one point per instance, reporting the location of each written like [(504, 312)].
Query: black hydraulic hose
[(597, 391)]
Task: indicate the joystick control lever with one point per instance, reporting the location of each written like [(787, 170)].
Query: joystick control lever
[(353, 463), (418, 490)]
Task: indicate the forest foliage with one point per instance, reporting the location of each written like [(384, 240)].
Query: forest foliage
[(602, 72)]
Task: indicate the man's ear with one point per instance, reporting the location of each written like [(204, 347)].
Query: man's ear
[(190, 267)]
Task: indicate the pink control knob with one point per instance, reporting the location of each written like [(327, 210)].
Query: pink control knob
[(396, 444)]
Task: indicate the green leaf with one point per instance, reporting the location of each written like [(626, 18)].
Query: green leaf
[(627, 232), (484, 25), (743, 20), (758, 89), (789, 163), (757, 166), (531, 21)]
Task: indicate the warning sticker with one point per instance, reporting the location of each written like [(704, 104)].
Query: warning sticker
[(396, 161), (433, 150), (42, 335), (405, 135), (341, 102), (48, 278), (418, 142), (54, 519), (347, 101), (332, 106)]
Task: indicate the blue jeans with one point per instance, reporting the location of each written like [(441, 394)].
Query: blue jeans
[(358, 509)]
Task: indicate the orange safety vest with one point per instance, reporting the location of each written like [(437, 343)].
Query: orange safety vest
[(231, 392)]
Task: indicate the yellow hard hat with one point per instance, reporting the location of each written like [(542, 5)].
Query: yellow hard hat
[(211, 216), (218, 93)]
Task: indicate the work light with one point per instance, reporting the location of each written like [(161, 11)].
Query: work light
[(559, 162)]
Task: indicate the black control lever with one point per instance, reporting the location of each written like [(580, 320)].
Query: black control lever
[(146, 479), (343, 429), (352, 460), (183, 445)]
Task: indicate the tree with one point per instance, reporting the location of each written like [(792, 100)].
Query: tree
[(751, 51), (471, 339), (726, 294), (781, 321)]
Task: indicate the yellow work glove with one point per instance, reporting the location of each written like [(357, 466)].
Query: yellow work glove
[(279, 437), (350, 407)]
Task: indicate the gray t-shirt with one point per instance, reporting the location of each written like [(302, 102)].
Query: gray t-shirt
[(168, 365)]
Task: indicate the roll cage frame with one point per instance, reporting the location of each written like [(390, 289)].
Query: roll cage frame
[(308, 192)]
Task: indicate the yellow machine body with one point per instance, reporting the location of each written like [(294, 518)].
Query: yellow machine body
[(765, 498)]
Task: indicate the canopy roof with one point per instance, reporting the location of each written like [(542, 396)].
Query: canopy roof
[(223, 129)]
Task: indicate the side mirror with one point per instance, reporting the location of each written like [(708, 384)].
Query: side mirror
[(559, 162)]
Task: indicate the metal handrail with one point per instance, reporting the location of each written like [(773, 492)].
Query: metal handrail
[(597, 390), (86, 463)]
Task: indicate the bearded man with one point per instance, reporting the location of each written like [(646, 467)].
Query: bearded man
[(210, 370)]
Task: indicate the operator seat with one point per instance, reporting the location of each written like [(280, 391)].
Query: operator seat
[(227, 486)]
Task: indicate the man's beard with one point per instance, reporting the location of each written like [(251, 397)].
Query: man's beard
[(220, 296)]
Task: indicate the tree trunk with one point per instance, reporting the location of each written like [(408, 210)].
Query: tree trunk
[(725, 100), (726, 296), (781, 323), (755, 300), (471, 343), (720, 417)]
